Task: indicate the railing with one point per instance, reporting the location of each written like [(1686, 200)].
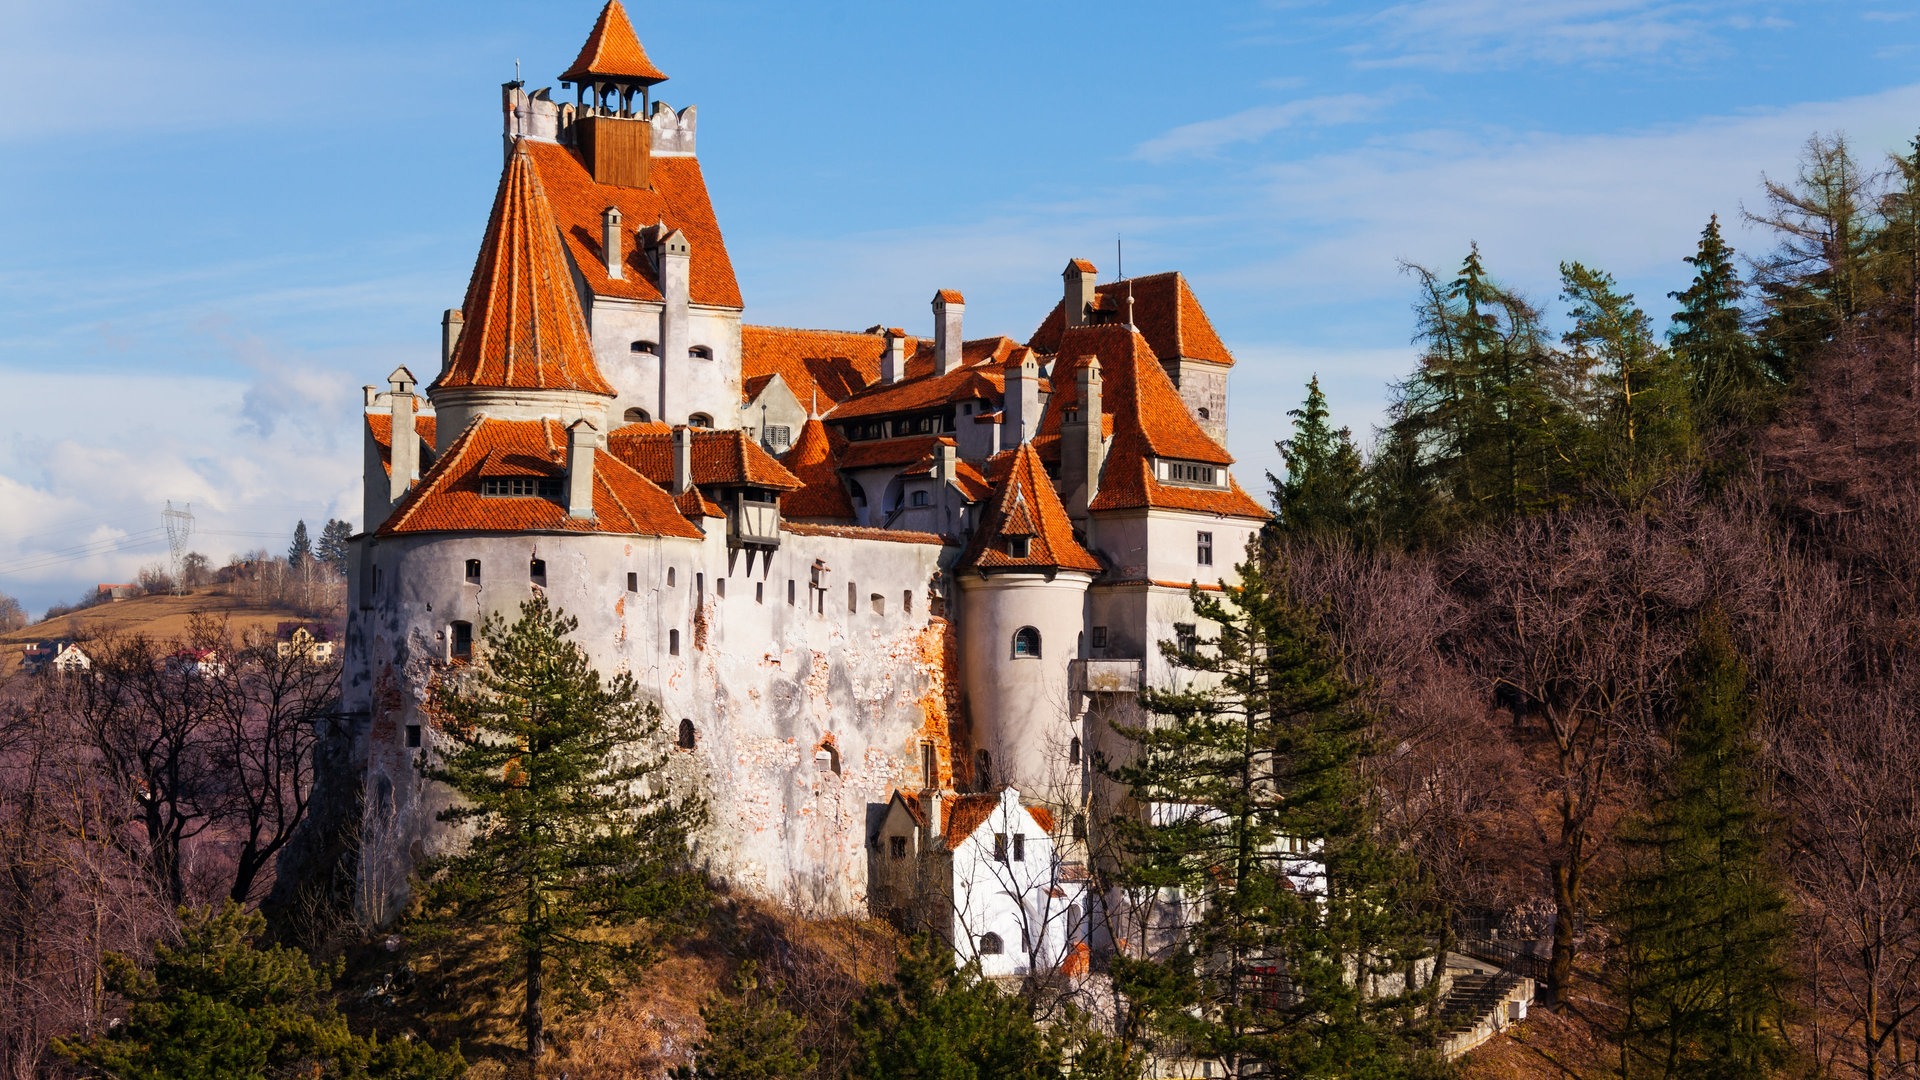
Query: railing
[(1107, 676), (1512, 956)]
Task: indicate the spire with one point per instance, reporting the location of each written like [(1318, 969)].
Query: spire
[(523, 328), (1025, 526), (613, 53)]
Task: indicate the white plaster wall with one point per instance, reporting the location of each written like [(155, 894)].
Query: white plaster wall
[(1163, 545), (767, 684), (708, 386), (1018, 708), (456, 408), (1006, 898)]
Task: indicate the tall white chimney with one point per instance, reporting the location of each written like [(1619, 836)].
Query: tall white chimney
[(1021, 406), (1079, 276), (682, 459), (452, 321), (582, 438), (404, 455), (948, 306), (893, 362), (612, 244), (673, 261), (1082, 446)]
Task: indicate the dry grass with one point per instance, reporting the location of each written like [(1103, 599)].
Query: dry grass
[(160, 617), (457, 992)]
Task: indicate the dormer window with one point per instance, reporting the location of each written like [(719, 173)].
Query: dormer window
[(1191, 472), (638, 416), (700, 420), (1019, 546), (700, 352), (645, 348), (519, 487)]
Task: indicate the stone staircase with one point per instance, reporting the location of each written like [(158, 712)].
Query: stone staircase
[(1481, 1000)]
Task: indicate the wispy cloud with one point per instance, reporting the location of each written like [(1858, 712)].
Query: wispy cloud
[(1457, 34), (1206, 137)]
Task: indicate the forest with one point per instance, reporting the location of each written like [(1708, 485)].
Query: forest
[(1606, 640)]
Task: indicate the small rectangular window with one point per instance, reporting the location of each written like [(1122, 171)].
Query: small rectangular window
[(878, 603), (462, 643), (670, 578), (906, 601), (929, 765), (1019, 847), (537, 571), (473, 571), (759, 592), (673, 643), (853, 597), (720, 586), (897, 846), (1205, 549), (1099, 637), (790, 592), (1186, 637), (413, 734), (633, 581), (700, 585), (1000, 847)]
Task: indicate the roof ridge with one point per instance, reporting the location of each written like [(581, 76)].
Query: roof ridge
[(612, 48)]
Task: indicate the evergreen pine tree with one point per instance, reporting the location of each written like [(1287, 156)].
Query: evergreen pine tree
[(574, 833), (332, 548), (1726, 382), (214, 1007), (749, 1036), (1322, 487), (1640, 403), (936, 1022), (1492, 415), (1818, 282), (1304, 934), (302, 548), (1702, 912)]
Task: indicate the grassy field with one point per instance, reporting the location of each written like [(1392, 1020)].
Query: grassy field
[(161, 617)]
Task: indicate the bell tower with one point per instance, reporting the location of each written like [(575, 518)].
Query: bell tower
[(614, 82)]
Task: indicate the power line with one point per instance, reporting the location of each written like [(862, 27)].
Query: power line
[(74, 554)]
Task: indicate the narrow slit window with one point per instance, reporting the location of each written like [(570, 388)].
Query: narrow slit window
[(1019, 847), (673, 643), (633, 581), (670, 577), (878, 603), (720, 586), (685, 741), (1073, 752), (906, 601), (790, 592), (759, 592), (853, 597)]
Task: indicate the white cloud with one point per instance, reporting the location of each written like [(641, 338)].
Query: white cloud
[(1252, 125), (1452, 35)]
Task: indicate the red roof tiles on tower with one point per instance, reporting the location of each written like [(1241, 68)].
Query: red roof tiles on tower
[(613, 50), (815, 460), (718, 457), (380, 425), (523, 328), (678, 197), (836, 363), (1026, 513), (1165, 311)]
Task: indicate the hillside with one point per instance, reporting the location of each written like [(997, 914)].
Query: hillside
[(160, 617)]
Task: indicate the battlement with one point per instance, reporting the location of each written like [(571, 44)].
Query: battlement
[(539, 117)]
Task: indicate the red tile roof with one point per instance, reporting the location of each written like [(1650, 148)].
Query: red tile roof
[(1082, 265), (921, 360), (1164, 309), (613, 49), (950, 296), (1027, 505), (836, 363), (858, 532), (448, 497), (906, 450), (980, 382), (1042, 817), (523, 327), (381, 426), (814, 459), (718, 457), (1148, 420), (678, 198), (965, 813)]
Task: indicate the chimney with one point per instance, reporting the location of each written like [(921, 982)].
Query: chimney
[(371, 393), (682, 459), (404, 455), (612, 245), (451, 323), (1079, 276), (581, 440), (672, 263), (893, 362), (947, 308), (1082, 450), (930, 803), (1021, 406)]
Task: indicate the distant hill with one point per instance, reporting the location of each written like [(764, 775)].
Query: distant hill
[(161, 617)]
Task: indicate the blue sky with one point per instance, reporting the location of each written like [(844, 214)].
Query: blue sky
[(218, 220)]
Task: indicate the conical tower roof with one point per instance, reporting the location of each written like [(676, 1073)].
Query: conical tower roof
[(815, 460), (613, 52), (1027, 509), (523, 326)]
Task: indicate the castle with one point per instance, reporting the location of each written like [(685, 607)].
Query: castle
[(878, 583)]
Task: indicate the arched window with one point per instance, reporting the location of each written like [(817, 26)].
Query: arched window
[(1026, 642), (685, 742), (700, 420), (644, 347), (638, 416), (1205, 414), (1073, 752), (990, 945), (700, 352), (827, 759)]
